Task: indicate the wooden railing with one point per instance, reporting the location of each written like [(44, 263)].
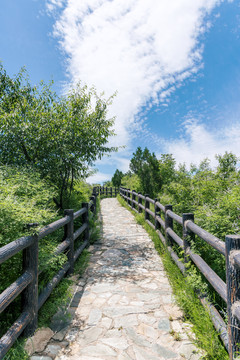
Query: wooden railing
[(27, 283), (162, 220), (106, 191)]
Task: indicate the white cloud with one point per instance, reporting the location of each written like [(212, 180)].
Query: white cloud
[(199, 142), (98, 178), (141, 48), (53, 5), (116, 161)]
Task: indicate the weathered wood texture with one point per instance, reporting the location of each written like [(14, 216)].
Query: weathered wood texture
[(69, 229), (147, 204), (134, 199), (79, 231), (206, 236), (140, 203), (8, 295), (233, 295), (168, 224), (30, 293), (11, 249), (188, 236), (86, 222), (79, 213), (13, 333), (217, 320), (48, 229)]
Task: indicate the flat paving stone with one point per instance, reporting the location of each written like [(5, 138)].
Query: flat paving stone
[(125, 302), (164, 324)]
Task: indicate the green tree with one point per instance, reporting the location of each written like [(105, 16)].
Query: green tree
[(59, 136), (167, 168), (146, 166), (226, 164), (117, 178)]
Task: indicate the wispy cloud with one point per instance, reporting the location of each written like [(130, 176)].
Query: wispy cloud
[(198, 142), (143, 49), (99, 178)]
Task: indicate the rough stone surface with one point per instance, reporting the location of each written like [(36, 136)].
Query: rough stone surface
[(38, 341), (164, 324), (52, 349), (37, 357), (123, 304)]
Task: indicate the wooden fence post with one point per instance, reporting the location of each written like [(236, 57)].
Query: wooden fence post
[(168, 224), (129, 196), (233, 280), (139, 202), (157, 213), (133, 198), (106, 191), (92, 198), (30, 293), (85, 219), (95, 204), (68, 232), (146, 207), (111, 191), (187, 236)]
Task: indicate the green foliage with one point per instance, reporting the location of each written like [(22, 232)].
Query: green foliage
[(195, 313), (117, 177), (107, 183), (60, 137), (58, 299), (17, 352), (81, 263), (24, 198), (146, 166), (167, 169), (81, 193), (227, 164), (131, 182)]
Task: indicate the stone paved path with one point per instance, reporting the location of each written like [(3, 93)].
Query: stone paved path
[(126, 310)]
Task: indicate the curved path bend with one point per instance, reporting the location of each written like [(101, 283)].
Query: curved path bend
[(126, 310)]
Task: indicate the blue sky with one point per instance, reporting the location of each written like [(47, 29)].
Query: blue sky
[(175, 66)]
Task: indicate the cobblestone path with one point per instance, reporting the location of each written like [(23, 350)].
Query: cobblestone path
[(126, 310)]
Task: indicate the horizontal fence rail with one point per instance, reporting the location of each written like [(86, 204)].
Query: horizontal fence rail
[(106, 191), (27, 283), (161, 218)]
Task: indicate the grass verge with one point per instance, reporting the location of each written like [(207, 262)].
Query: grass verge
[(206, 337)]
